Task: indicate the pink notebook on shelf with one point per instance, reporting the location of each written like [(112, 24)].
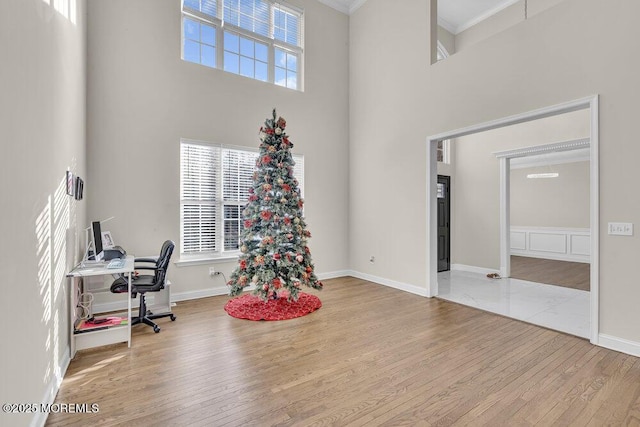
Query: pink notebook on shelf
[(104, 322)]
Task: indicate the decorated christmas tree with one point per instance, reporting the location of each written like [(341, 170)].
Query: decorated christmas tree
[(275, 257)]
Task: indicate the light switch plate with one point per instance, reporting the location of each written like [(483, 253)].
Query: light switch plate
[(621, 228)]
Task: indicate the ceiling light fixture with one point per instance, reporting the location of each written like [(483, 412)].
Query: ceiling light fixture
[(543, 175)]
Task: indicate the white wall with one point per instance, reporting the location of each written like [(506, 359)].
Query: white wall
[(398, 99), (447, 39), (42, 124), (142, 98)]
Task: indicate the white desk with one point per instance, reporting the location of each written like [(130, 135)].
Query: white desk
[(111, 335)]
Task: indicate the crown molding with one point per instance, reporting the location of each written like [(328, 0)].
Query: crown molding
[(447, 25), (553, 158), (459, 27), (487, 14), (345, 6), (355, 5), (573, 144), (340, 6)]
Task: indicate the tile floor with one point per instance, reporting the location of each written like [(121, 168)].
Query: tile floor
[(554, 307)]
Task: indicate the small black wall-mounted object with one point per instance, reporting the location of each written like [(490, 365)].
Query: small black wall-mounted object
[(79, 187)]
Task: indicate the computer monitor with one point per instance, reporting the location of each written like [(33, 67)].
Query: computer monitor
[(97, 240)]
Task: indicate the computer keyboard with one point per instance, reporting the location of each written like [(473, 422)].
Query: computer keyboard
[(116, 263)]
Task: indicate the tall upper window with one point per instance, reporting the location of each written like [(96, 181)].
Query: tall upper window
[(260, 39), (214, 188)]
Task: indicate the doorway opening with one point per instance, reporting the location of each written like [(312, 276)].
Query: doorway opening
[(549, 216), (590, 105)]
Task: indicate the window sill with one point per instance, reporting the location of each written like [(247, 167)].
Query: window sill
[(185, 262)]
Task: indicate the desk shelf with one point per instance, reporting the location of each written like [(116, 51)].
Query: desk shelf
[(103, 336), (110, 335)]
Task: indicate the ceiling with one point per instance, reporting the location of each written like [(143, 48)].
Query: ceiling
[(453, 15)]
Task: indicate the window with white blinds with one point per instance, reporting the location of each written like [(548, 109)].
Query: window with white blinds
[(260, 39), (214, 188), (199, 183)]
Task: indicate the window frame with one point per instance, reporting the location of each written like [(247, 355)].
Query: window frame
[(443, 151), (220, 253), (221, 27)]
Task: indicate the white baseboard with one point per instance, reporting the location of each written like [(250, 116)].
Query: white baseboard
[(473, 269), (202, 293), (619, 344), (388, 282), (334, 274), (40, 418), (556, 257)]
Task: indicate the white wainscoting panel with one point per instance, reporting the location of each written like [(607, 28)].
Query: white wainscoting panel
[(518, 240), (580, 245), (547, 242), (565, 244)]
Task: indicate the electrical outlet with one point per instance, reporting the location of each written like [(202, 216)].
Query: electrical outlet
[(212, 271), (372, 259), (620, 228)]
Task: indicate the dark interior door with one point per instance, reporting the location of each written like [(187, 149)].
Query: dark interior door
[(444, 220)]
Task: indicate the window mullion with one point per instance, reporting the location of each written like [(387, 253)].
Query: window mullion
[(286, 46), (272, 63), (272, 20), (272, 56), (220, 47), (208, 19), (246, 33)]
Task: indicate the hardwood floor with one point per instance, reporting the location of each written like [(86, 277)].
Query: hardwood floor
[(560, 273), (371, 355)]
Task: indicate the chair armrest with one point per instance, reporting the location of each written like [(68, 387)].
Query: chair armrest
[(153, 260)]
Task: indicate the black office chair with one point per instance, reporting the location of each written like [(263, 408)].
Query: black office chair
[(144, 283)]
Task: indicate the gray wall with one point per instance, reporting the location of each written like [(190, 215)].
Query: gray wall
[(557, 202), (42, 122), (398, 99), (507, 17), (143, 98)]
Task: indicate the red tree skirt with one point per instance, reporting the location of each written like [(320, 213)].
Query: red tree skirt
[(253, 308)]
